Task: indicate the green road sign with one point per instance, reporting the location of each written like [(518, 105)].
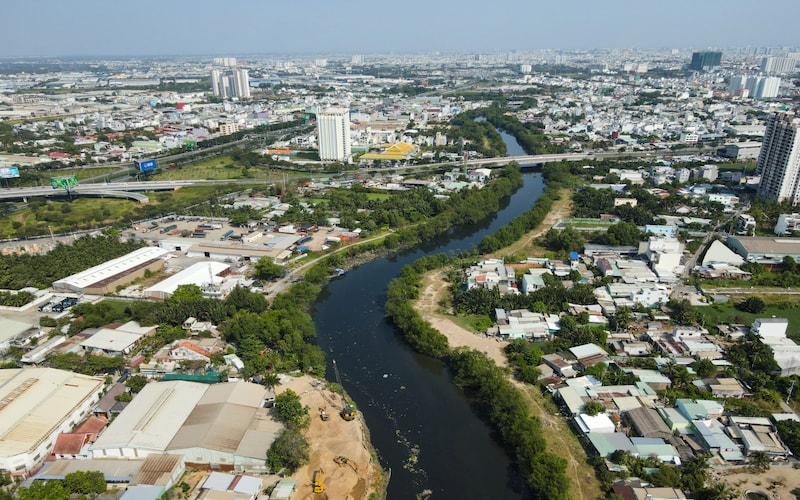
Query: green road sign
[(66, 183)]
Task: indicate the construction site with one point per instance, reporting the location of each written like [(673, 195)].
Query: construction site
[(341, 464)]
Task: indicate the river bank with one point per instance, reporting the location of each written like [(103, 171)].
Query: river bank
[(562, 441), (357, 478)]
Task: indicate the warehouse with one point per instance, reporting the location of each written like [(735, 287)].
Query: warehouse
[(106, 277), (199, 274), (11, 330), (764, 250), (36, 405), (221, 426), (117, 342)]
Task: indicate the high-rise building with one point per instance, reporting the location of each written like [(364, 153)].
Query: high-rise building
[(779, 65), (225, 61), (702, 61), (235, 84), (779, 161), (217, 83), (757, 87), (240, 83), (333, 129)]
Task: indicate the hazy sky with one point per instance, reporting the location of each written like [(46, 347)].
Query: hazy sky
[(240, 27)]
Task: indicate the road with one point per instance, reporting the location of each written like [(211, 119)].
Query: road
[(751, 290), (282, 284)]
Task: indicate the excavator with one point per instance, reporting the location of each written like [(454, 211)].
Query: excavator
[(318, 486), (343, 460), (348, 411)]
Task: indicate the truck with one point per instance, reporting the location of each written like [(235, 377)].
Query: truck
[(169, 228)]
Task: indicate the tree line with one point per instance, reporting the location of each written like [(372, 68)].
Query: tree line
[(41, 270), (488, 385)]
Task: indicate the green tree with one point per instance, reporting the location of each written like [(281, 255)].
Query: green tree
[(242, 298), (753, 305), (186, 293), (666, 476), (271, 380), (137, 382), (623, 317), (267, 269), (594, 408), (290, 410), (85, 482), (44, 490), (289, 451), (759, 461), (704, 368)]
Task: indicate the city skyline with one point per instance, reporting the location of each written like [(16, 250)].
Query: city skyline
[(148, 28)]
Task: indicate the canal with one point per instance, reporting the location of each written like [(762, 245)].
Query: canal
[(421, 424)]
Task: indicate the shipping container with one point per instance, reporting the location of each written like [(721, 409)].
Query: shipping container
[(168, 228), (227, 234)]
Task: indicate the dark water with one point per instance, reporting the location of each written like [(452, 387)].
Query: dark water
[(422, 425)]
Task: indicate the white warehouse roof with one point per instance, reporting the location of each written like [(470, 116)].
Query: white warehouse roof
[(152, 419), (77, 282), (36, 403), (228, 418), (196, 274)]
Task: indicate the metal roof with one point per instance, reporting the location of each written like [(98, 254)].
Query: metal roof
[(196, 274), (111, 340), (179, 415), (113, 267), (10, 328), (153, 418), (35, 402)]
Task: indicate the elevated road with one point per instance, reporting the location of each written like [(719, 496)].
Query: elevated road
[(129, 189)]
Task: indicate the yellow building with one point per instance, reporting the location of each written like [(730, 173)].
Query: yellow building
[(393, 152)]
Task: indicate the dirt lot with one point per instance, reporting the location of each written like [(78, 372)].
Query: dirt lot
[(329, 440), (777, 483)]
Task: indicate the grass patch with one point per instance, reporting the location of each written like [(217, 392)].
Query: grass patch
[(39, 216), (473, 322), (778, 306), (218, 168), (81, 173), (562, 442), (62, 217)]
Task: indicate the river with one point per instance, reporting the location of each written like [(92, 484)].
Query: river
[(421, 424)]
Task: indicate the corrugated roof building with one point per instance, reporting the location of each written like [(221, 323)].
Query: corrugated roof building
[(105, 277), (224, 426), (36, 404)]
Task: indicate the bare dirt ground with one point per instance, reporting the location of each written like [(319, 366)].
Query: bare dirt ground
[(560, 439), (329, 440), (561, 210), (777, 483)]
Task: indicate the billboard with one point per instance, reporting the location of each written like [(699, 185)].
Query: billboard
[(9, 172), (64, 182), (145, 165)]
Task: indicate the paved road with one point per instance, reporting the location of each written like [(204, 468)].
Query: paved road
[(747, 291)]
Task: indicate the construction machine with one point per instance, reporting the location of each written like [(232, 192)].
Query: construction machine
[(343, 460), (348, 412), (318, 486)]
